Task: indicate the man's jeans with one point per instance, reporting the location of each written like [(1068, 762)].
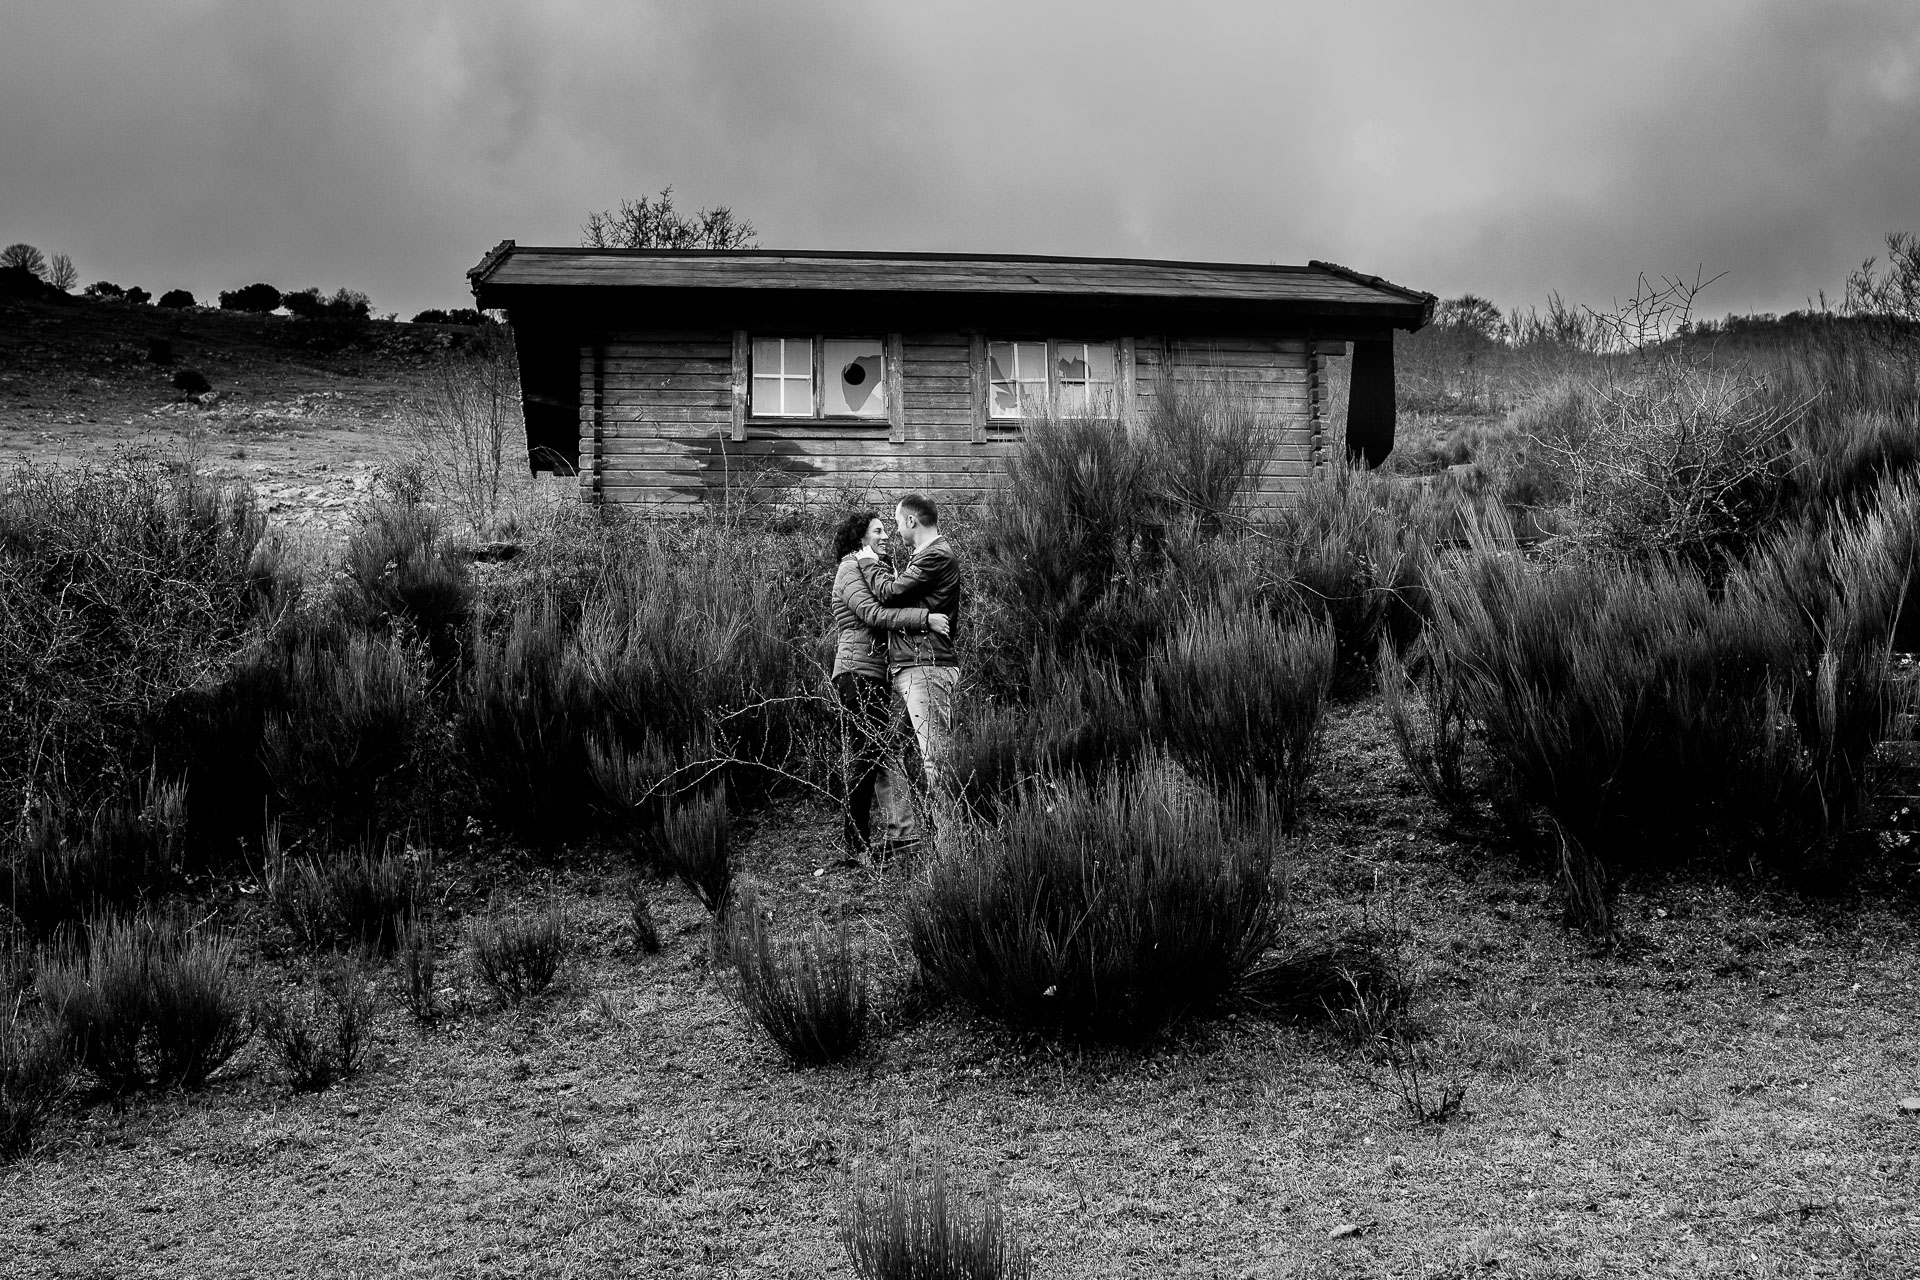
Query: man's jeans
[(928, 695)]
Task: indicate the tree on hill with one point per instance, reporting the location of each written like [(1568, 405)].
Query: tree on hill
[(175, 300), (256, 298), (27, 258), (104, 289), (311, 304), (655, 224), (459, 315), (61, 274)]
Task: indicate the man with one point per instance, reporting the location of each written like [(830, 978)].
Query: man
[(923, 666)]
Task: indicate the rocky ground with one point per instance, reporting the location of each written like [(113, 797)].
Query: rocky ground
[(306, 419)]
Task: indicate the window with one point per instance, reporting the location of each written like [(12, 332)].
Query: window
[(851, 378), (1084, 378), (1018, 374), (1070, 378), (856, 386)]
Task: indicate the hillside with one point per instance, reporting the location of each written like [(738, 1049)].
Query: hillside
[(303, 413)]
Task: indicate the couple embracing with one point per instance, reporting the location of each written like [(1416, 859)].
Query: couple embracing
[(896, 632)]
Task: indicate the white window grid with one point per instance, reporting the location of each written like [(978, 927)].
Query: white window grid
[(792, 376), (1042, 384)]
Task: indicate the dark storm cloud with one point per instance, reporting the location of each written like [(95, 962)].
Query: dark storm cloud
[(1505, 148)]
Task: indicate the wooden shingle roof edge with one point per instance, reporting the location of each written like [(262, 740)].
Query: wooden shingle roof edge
[(509, 266)]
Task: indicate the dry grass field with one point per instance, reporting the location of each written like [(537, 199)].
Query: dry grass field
[(1718, 1098), (1727, 1089)]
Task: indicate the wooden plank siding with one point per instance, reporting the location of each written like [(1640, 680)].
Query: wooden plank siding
[(665, 419)]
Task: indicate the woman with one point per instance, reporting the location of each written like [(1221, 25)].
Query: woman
[(874, 783)]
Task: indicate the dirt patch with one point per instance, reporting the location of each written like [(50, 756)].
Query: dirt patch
[(307, 425)]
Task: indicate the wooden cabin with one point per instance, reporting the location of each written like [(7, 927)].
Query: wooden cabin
[(660, 377)]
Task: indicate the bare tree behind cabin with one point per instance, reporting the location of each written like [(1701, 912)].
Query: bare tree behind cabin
[(654, 223)]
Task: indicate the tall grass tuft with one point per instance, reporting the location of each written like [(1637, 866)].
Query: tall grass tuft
[(909, 1226), (1208, 447), (1423, 698), (1356, 549), (808, 994), (693, 847), (34, 1067), (1087, 717), (1099, 910), (60, 869), (367, 895), (1066, 540), (522, 727), (342, 755), (324, 1038), (517, 957), (1653, 718), (403, 575), (1237, 699), (145, 1002)]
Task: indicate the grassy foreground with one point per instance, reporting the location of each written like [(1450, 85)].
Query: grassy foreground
[(1717, 1097)]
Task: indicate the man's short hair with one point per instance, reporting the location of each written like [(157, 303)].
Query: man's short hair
[(922, 508)]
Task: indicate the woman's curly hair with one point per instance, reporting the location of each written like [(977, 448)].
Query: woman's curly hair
[(848, 533)]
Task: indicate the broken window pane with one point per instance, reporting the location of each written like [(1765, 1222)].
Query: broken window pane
[(1087, 379), (1017, 378), (856, 384), (782, 377)]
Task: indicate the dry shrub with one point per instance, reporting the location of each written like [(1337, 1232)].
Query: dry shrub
[(908, 1226), (684, 646), (59, 871), (420, 970), (465, 433), (1102, 910), (1653, 719), (1424, 705), (34, 1066), (517, 957), (120, 587), (145, 1002), (324, 1038), (1087, 717), (1208, 447), (522, 726), (1237, 700), (343, 753), (366, 895), (1356, 549), (403, 575), (692, 845), (808, 994), (1683, 460)]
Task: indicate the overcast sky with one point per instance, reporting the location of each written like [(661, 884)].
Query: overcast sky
[(1506, 149)]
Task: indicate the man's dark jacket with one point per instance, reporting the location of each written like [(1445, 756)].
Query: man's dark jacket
[(931, 581)]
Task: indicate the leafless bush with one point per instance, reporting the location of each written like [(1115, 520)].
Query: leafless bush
[(466, 434), (122, 588)]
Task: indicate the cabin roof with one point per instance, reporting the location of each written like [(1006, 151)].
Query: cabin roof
[(509, 269)]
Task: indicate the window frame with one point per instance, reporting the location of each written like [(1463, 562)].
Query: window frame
[(817, 348), (991, 424)]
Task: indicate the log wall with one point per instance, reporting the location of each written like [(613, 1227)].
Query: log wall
[(663, 419)]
